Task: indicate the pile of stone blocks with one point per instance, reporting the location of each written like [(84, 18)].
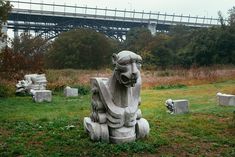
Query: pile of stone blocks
[(70, 92), (31, 82), (226, 99), (35, 85), (177, 106)]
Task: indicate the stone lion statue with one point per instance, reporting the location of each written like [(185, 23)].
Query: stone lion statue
[(115, 115)]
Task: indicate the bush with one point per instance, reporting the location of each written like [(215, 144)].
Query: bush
[(6, 91), (80, 49), (56, 86), (82, 89), (25, 56), (233, 119), (59, 88)]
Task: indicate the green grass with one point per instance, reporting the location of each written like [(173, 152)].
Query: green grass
[(30, 129)]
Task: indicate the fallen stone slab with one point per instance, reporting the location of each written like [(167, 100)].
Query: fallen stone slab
[(70, 92), (181, 106), (42, 95), (177, 106), (225, 99)]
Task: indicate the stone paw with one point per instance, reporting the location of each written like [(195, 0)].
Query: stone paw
[(142, 128), (98, 132)]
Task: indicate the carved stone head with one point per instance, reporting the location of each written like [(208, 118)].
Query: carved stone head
[(127, 67)]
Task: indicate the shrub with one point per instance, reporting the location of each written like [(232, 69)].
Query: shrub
[(82, 89), (25, 56), (56, 86), (80, 49), (59, 87), (6, 91)]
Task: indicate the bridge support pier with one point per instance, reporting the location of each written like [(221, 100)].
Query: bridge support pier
[(3, 35), (16, 34), (152, 28)]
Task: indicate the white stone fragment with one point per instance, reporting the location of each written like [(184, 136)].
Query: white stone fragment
[(70, 92), (226, 99)]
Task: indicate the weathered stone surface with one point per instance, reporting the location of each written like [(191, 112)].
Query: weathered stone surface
[(122, 134), (42, 95), (70, 92), (177, 106), (115, 115), (142, 128), (226, 99), (181, 106), (97, 131)]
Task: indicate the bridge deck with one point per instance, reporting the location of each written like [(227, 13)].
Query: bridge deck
[(46, 17)]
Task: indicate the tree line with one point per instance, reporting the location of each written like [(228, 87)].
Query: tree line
[(186, 47)]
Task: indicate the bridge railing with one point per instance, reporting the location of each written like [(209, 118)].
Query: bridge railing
[(125, 15)]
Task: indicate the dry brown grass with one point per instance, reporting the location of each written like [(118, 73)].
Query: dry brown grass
[(150, 78), (195, 76), (67, 77), (186, 77)]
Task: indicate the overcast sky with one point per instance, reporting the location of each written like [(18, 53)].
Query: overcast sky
[(206, 8)]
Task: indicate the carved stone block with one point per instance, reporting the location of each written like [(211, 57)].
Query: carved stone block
[(181, 106), (70, 92), (226, 99), (42, 95)]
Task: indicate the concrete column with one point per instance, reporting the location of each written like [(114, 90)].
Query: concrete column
[(4, 28), (16, 33), (3, 37), (152, 28)]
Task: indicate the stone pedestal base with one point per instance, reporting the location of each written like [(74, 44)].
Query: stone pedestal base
[(122, 135), (70, 92), (101, 132), (42, 95), (226, 99)]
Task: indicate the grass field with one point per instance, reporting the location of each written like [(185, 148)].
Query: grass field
[(56, 129)]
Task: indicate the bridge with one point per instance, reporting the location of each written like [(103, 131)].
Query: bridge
[(49, 20)]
